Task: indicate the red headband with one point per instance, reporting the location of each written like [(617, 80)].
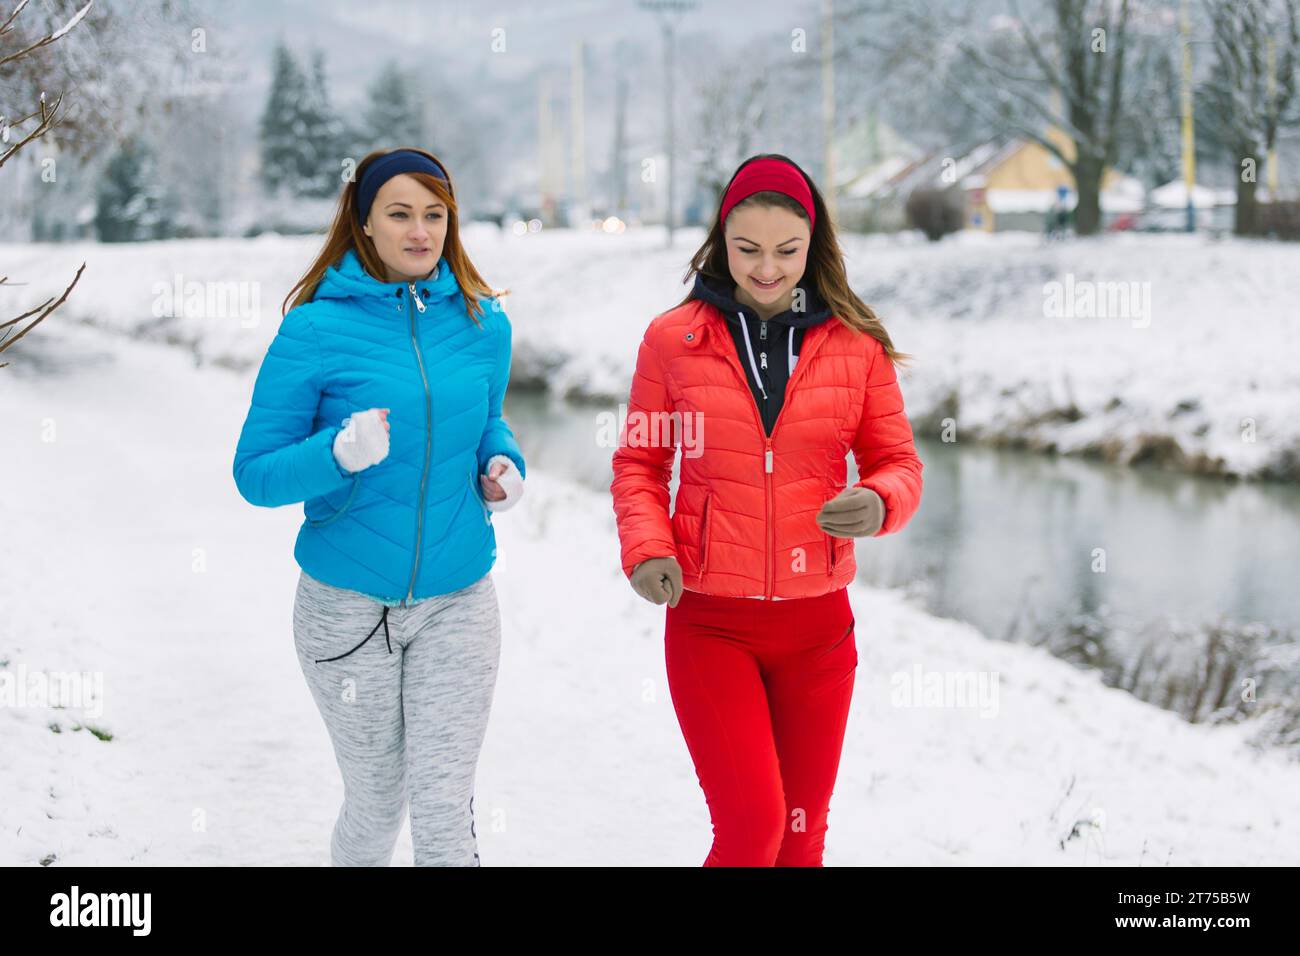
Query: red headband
[(772, 174)]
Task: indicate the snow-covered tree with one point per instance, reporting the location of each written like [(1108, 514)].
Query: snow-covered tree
[(283, 127), (1022, 68), (130, 204), (1242, 107), (733, 112), (303, 139), (104, 59), (1150, 139), (324, 136), (19, 129), (1078, 53), (393, 116)]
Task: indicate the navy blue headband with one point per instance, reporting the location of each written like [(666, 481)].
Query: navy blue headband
[(385, 168)]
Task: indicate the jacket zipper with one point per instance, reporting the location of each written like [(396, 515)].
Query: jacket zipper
[(428, 438), (769, 462), (473, 488), (704, 534), (771, 519), (770, 465)]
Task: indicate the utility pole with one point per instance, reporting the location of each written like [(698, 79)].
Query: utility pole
[(617, 162), (577, 124), (1189, 133), (550, 151), (828, 103), (667, 9), (1272, 99)]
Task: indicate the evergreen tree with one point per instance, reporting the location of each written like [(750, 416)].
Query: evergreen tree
[(284, 156), (324, 137), (394, 116), (130, 204)]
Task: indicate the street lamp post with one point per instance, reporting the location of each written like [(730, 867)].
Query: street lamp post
[(666, 10)]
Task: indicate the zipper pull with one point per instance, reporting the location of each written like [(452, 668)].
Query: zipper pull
[(762, 360), (762, 330), (767, 458), (415, 297)]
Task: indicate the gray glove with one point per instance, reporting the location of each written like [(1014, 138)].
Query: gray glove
[(855, 512), (658, 580)]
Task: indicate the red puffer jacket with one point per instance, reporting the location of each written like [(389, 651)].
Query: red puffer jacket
[(744, 518)]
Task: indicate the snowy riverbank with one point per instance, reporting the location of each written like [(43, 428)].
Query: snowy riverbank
[(1194, 375), (127, 551)]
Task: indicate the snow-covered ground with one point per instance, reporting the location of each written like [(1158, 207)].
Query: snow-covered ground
[(127, 551), (1197, 373)]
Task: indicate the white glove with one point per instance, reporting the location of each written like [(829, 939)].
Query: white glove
[(511, 482), (362, 442)]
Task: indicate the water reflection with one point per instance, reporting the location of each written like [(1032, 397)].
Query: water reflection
[(1004, 536)]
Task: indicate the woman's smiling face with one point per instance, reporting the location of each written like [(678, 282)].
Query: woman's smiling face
[(407, 224), (767, 251)]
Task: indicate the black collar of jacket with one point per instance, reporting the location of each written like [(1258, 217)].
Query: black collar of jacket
[(719, 294)]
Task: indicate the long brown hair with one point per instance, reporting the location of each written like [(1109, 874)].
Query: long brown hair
[(825, 269), (345, 233)]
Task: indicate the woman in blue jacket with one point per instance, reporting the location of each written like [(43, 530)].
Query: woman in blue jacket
[(378, 405)]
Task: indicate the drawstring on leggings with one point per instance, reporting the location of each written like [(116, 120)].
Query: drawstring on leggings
[(383, 619)]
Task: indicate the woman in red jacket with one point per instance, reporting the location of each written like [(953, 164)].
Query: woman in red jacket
[(789, 370)]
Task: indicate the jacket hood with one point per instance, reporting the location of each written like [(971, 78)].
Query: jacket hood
[(348, 279), (719, 294)]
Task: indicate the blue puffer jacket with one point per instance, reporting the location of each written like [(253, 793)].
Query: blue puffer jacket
[(414, 525)]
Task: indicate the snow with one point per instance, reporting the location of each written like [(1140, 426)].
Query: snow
[(1202, 381), (875, 178), (1173, 195), (980, 157), (1020, 200), (75, 19), (127, 551), (1125, 194)]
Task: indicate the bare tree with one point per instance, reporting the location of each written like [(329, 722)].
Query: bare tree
[(1063, 68), (741, 111), (120, 63), (1250, 93), (1080, 55), (45, 117), (732, 116)]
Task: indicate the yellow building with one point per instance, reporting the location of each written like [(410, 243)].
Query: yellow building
[(1014, 185)]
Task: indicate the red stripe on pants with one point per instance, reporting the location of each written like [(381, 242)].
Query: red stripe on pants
[(762, 691)]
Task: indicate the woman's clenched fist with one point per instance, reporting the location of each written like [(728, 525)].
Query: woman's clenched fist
[(363, 440)]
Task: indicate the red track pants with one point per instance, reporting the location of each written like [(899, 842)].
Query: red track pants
[(762, 691)]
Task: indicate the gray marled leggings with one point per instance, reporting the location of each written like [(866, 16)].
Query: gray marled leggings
[(406, 708)]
